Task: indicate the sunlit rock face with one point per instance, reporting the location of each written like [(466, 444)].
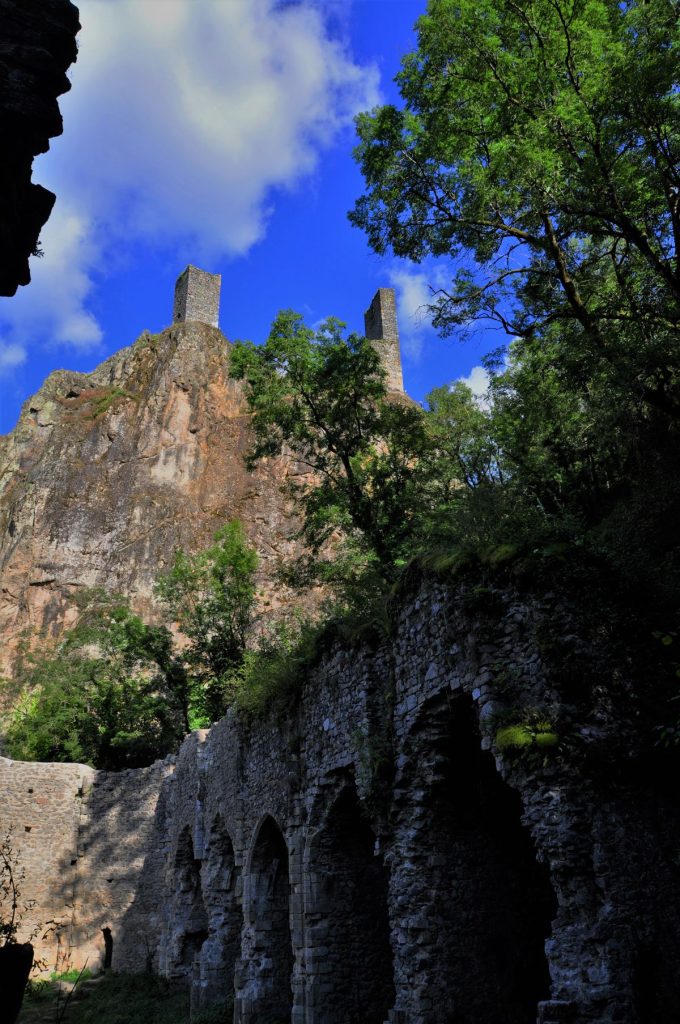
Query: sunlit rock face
[(37, 46), (107, 473)]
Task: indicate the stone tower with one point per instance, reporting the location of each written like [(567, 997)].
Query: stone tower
[(197, 297), (380, 325)]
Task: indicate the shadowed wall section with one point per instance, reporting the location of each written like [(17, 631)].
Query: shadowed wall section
[(221, 885), (396, 865), (347, 910), (267, 952), (187, 917)]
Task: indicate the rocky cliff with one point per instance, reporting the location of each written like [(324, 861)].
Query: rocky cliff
[(107, 473), (37, 46)]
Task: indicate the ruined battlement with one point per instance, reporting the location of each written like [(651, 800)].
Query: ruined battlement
[(197, 297), (380, 325)]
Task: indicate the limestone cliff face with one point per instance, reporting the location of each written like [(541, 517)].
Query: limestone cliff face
[(107, 473)]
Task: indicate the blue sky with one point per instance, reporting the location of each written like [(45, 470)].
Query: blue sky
[(219, 133)]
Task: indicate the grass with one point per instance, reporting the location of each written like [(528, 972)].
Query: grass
[(522, 735), (72, 975), (107, 400), (119, 999)]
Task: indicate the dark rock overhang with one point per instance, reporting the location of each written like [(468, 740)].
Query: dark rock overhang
[(37, 46)]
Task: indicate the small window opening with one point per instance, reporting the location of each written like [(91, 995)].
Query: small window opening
[(108, 948)]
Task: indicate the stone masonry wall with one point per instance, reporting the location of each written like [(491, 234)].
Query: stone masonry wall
[(374, 856), (380, 325), (197, 297), (82, 838)]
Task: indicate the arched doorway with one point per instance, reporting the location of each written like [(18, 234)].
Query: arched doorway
[(347, 915), (188, 920), (108, 948), (271, 951), (488, 903), (221, 883)]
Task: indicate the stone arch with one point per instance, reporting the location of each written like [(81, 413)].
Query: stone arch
[(188, 920), (221, 883), (265, 989), (346, 918), (479, 908)]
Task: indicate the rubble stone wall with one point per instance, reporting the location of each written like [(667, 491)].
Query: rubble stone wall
[(380, 325), (373, 856)]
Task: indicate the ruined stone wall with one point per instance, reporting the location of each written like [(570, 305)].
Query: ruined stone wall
[(197, 297), (375, 857), (81, 839), (380, 325), (43, 804)]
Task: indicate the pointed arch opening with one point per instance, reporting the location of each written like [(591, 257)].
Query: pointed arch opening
[(221, 884), (491, 901), (188, 924), (352, 973), (270, 921)]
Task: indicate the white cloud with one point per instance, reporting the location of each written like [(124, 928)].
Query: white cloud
[(53, 303), (11, 356), (184, 120), (414, 294), (478, 381)]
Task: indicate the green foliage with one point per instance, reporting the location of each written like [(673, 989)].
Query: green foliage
[(130, 998), (371, 481), (271, 674), (537, 148), (73, 974), (127, 998), (211, 596), (517, 737), (112, 694), (539, 141), (106, 401)]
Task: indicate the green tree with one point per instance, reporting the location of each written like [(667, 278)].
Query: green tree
[(539, 146), (212, 597), (365, 475), (111, 695), (538, 149)]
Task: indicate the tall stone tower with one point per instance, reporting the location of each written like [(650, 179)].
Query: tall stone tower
[(197, 297), (380, 325)]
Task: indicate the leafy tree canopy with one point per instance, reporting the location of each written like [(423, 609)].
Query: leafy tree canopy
[(111, 695), (539, 147), (211, 595), (367, 470)]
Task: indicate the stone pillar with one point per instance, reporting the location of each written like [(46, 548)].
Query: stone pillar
[(197, 297), (380, 320)]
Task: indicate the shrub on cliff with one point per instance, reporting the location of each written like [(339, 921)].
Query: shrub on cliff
[(211, 596), (112, 694)]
